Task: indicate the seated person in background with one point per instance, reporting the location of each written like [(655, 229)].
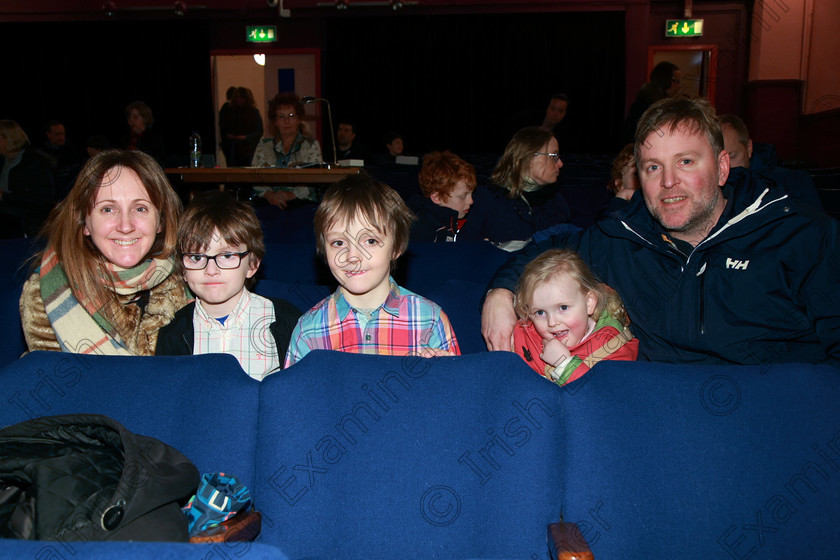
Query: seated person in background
[(739, 146), (624, 179), (221, 245), (394, 144), (527, 172), (553, 122), (568, 320), (736, 275), (63, 157), (447, 183), (141, 137), (26, 184), (290, 146), (555, 112), (362, 227), (453, 208), (348, 146)]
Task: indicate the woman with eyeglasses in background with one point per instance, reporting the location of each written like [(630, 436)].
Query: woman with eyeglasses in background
[(292, 145), (528, 171)]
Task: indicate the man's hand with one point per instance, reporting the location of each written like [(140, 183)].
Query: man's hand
[(554, 352), (498, 319)]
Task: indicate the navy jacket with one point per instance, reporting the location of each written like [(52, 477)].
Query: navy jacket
[(493, 216), (761, 288)]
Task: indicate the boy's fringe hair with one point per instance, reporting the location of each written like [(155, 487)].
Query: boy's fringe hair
[(361, 197), (557, 262), (236, 222)]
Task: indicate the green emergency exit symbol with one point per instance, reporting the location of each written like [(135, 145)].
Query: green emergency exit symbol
[(683, 27), (262, 34)]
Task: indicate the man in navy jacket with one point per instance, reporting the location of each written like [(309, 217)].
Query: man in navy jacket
[(714, 265)]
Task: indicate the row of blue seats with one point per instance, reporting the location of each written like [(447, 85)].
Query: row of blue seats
[(351, 456)]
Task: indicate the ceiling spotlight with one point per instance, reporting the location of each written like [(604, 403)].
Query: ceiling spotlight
[(180, 8), (395, 4), (109, 8), (340, 4)]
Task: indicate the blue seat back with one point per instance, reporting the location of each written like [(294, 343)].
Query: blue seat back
[(409, 457), (670, 461), (203, 406)]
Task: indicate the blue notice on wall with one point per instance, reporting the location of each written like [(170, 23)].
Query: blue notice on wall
[(285, 79)]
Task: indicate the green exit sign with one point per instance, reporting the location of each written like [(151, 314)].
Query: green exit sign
[(262, 34), (683, 27)]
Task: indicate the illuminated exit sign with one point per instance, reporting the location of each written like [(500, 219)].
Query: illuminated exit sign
[(262, 34), (683, 27)]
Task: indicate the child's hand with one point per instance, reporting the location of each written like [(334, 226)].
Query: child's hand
[(554, 352), (435, 353)]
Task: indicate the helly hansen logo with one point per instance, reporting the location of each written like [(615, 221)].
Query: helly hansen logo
[(736, 264)]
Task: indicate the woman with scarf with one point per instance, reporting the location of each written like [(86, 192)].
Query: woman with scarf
[(104, 284), (527, 173), (291, 146)]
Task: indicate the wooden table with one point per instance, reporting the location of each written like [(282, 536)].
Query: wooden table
[(261, 175)]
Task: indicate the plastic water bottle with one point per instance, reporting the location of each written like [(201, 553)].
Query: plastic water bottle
[(195, 150)]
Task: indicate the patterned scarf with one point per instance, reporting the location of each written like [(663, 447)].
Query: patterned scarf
[(80, 326)]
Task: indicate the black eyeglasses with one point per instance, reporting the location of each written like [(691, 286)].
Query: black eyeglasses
[(225, 261)]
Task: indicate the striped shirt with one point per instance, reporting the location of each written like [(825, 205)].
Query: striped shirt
[(244, 334), (405, 324)]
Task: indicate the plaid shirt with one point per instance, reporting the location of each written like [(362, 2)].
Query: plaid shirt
[(244, 335), (402, 325)]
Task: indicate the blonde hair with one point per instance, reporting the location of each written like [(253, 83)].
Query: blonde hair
[(16, 138), (564, 262)]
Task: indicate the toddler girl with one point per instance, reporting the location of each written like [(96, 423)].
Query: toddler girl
[(568, 320)]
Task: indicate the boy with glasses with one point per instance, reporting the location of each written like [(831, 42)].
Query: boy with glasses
[(220, 245)]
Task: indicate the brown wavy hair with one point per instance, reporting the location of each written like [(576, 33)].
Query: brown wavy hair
[(83, 263)]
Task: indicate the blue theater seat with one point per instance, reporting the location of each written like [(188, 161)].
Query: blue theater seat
[(409, 458), (351, 456), (201, 405), (670, 461)]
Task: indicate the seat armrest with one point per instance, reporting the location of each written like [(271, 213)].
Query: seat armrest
[(244, 526), (567, 543)]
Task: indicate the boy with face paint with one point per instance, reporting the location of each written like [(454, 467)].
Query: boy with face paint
[(361, 228)]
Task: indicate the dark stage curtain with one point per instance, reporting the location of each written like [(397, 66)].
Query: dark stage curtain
[(467, 82), (85, 73)]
